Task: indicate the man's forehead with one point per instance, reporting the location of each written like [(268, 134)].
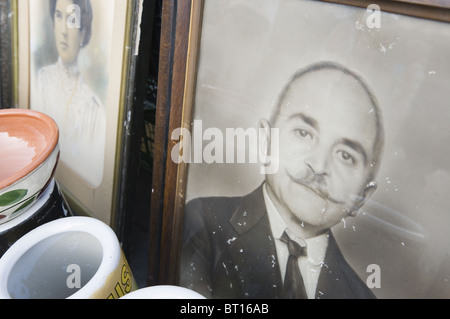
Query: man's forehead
[(329, 81), (334, 90), (334, 101)]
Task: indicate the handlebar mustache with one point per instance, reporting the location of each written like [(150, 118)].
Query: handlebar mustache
[(317, 184)]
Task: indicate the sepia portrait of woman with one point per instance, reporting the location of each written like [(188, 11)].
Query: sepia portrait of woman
[(64, 95)]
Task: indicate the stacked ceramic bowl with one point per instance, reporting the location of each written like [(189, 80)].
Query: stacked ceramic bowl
[(29, 155)]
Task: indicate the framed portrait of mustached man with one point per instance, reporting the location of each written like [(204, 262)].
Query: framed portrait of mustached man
[(302, 149), (74, 59)]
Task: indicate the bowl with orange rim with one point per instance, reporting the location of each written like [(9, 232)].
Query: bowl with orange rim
[(29, 155)]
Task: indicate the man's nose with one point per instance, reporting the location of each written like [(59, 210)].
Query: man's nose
[(318, 162)]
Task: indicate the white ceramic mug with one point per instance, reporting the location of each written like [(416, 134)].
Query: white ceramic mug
[(73, 257)]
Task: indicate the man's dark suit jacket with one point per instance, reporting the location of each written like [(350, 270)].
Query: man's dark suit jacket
[(228, 252)]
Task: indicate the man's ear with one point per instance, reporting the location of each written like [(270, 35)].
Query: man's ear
[(368, 191), (264, 142), (370, 188)]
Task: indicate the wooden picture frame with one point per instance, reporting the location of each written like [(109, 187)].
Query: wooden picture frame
[(8, 23), (180, 22), (89, 177), (427, 9), (383, 55)]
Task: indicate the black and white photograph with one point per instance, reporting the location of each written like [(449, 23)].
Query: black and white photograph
[(317, 158)]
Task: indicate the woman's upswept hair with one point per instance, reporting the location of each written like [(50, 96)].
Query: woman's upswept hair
[(86, 16)]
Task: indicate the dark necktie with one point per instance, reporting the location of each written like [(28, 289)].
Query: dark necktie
[(293, 287)]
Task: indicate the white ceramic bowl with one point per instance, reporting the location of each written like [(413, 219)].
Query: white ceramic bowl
[(163, 292), (28, 159)]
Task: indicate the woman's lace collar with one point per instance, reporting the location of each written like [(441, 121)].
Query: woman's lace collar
[(69, 69)]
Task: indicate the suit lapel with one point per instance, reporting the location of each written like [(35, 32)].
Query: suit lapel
[(335, 274), (253, 255), (253, 250)]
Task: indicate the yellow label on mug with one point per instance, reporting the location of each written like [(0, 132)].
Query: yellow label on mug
[(119, 282), (124, 286)]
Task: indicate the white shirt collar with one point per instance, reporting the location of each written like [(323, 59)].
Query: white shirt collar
[(316, 246)]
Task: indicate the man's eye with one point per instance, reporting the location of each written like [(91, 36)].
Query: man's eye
[(58, 15), (304, 133), (346, 157)]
